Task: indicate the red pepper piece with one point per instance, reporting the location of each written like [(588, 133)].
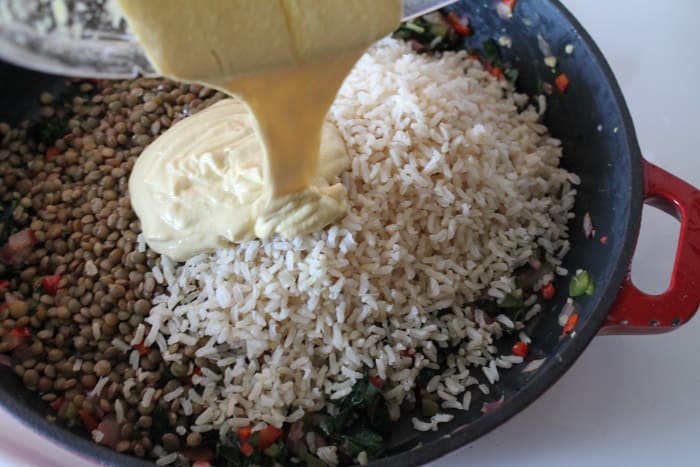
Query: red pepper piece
[(520, 349), (21, 332), (548, 291), (457, 24), (268, 436), (246, 449), (571, 323), (88, 420), (376, 381), (497, 72), (142, 349), (562, 83), (245, 432), (51, 152), (50, 283), (57, 404)]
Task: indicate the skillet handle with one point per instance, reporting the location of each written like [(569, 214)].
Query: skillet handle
[(636, 312)]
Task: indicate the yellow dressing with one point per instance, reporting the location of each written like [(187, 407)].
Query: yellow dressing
[(222, 175), (201, 185)]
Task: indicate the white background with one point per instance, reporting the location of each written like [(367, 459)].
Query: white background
[(628, 401)]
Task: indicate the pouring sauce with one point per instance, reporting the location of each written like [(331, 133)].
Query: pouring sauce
[(250, 166)]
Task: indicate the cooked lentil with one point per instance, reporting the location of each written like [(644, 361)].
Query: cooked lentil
[(66, 178)]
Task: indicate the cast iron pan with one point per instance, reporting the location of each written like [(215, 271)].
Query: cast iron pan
[(593, 122)]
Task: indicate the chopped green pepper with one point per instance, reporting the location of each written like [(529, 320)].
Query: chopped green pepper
[(590, 290), (414, 27), (580, 284), (513, 300)]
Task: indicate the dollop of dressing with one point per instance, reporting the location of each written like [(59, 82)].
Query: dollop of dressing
[(200, 185), (238, 170)]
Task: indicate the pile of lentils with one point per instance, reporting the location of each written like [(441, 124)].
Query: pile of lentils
[(83, 283)]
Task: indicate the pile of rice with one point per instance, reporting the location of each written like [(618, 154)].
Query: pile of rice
[(451, 189)]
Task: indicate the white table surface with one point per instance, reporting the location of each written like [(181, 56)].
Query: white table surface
[(628, 401)]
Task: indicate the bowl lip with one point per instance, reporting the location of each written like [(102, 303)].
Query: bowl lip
[(81, 446)]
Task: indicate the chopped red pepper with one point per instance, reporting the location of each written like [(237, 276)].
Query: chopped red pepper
[(4, 284), (51, 152), (21, 332), (245, 432), (141, 349), (376, 381), (604, 239), (246, 449), (571, 323), (497, 72), (268, 436), (520, 349), (509, 3), (50, 283), (57, 404), (410, 353), (562, 83), (457, 24), (88, 420), (548, 291)]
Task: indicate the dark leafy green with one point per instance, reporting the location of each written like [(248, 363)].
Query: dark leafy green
[(491, 52), (429, 35), (48, 130), (160, 422), (229, 453), (362, 439), (379, 419), (494, 59), (363, 395), (362, 421)]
